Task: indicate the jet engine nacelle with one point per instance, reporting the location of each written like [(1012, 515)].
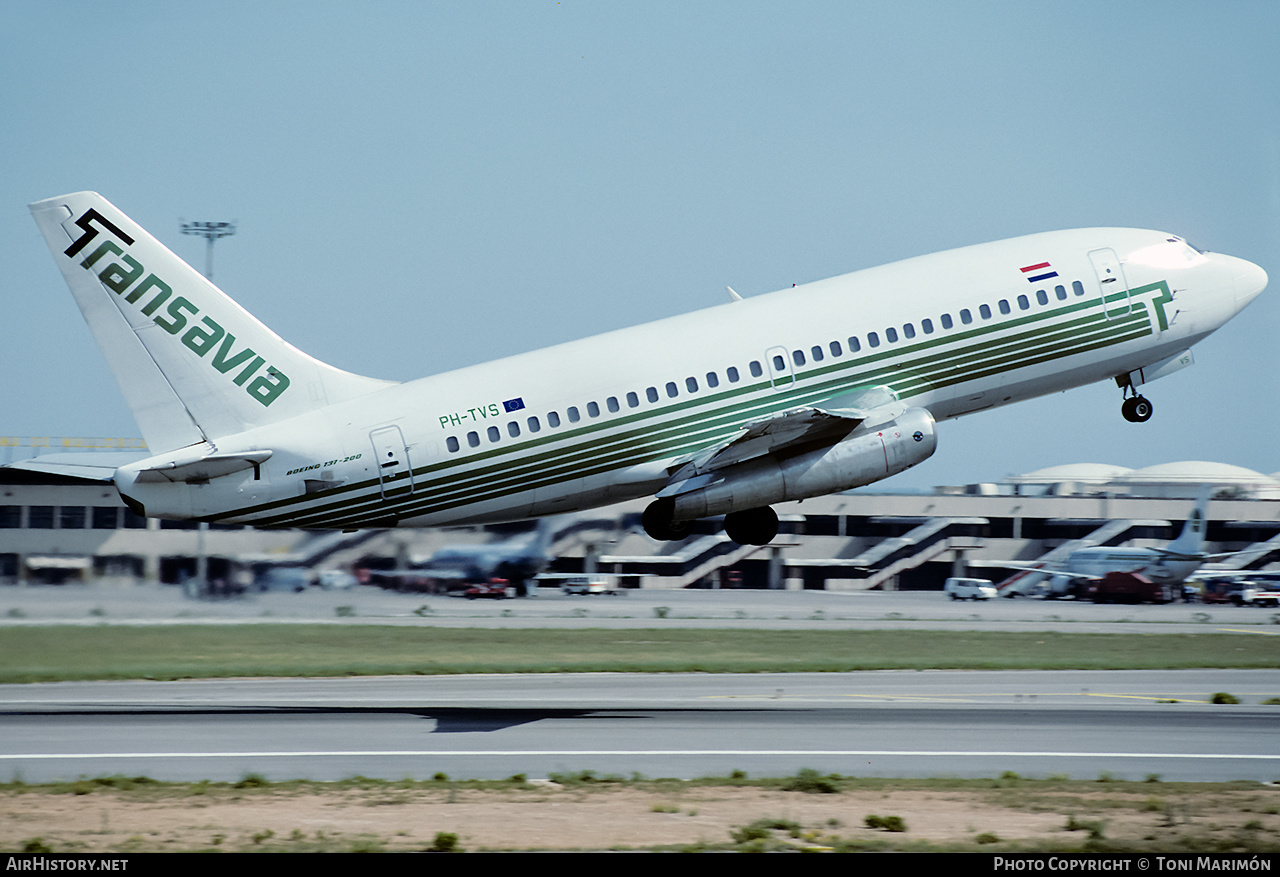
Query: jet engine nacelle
[(1061, 586), (862, 458)]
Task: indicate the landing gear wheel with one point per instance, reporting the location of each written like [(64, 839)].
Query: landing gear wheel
[(1136, 410), (752, 526), (658, 524)]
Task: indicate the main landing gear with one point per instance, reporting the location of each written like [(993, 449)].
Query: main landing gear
[(658, 524), (747, 527), (752, 526)]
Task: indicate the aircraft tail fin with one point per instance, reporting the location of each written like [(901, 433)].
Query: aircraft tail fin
[(193, 365), (1190, 541)]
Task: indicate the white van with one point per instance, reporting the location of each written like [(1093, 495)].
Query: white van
[(970, 589), (584, 585)]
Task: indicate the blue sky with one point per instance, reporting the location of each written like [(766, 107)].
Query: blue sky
[(424, 185)]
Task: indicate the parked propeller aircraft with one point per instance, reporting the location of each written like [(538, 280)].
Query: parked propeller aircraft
[(812, 390)]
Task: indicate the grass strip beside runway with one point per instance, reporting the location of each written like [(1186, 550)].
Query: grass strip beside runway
[(60, 653)]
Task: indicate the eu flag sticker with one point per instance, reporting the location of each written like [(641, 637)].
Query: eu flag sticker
[(513, 404)]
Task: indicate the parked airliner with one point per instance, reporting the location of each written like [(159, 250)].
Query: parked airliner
[(1173, 564), (817, 389)]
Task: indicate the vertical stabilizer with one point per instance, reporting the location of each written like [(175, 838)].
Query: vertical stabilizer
[(192, 364), (1190, 541)]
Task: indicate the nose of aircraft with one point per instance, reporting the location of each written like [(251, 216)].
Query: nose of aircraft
[(1249, 281)]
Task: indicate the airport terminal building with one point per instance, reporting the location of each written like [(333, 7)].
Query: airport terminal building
[(58, 529)]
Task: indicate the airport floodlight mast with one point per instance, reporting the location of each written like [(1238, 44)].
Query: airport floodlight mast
[(210, 231)]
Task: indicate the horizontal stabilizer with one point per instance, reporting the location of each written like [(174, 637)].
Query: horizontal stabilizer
[(94, 466), (196, 468)]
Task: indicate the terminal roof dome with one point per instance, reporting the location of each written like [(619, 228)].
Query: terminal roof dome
[(1086, 473), (1198, 472), (1181, 479)]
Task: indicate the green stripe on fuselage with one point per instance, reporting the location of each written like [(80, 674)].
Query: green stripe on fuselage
[(698, 422)]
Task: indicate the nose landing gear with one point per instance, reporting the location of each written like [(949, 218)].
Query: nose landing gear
[(1136, 409)]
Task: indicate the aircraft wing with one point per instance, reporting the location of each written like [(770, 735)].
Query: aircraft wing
[(786, 433), (1206, 558)]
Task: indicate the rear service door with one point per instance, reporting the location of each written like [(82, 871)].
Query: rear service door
[(393, 461)]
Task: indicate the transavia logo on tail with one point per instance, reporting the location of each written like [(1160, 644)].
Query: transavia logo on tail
[(129, 278)]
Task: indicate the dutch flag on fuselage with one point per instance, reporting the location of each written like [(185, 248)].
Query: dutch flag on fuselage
[(1036, 273)]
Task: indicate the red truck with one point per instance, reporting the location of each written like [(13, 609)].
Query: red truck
[(1127, 587)]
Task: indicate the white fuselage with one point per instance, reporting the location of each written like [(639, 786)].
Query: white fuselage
[(1094, 563), (606, 418)]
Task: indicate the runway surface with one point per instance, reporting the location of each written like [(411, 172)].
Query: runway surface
[(892, 723), (1126, 725)]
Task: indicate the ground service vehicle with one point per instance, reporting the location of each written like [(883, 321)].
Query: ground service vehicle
[(969, 589), (1123, 587)]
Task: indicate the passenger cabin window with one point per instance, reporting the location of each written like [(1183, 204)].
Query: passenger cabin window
[(816, 352), (553, 419), (593, 410), (672, 389), (965, 316), (473, 439), (909, 330), (633, 401), (984, 311), (691, 384), (452, 444), (756, 369), (574, 416), (926, 326), (513, 429), (797, 356), (1042, 297), (732, 374), (713, 380), (534, 425), (494, 435), (1004, 306), (1077, 287), (891, 335), (1061, 292), (873, 340), (854, 344), (612, 404), (1024, 303), (835, 348), (779, 364), (651, 394)]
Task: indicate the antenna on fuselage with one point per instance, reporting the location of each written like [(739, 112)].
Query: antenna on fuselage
[(733, 295)]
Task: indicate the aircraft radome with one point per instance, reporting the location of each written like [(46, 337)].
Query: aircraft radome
[(812, 390)]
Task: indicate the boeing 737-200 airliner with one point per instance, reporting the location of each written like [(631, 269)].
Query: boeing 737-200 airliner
[(812, 390)]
